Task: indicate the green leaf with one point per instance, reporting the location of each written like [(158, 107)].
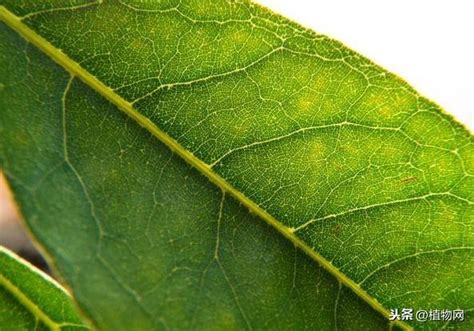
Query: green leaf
[(30, 299), (341, 158), (163, 248)]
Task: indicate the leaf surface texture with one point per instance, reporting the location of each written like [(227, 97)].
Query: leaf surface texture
[(343, 158)]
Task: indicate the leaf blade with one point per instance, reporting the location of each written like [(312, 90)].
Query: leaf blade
[(30, 299), (277, 206), (204, 168), (154, 267)]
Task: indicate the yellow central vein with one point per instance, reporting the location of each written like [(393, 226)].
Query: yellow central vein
[(31, 306), (76, 70)]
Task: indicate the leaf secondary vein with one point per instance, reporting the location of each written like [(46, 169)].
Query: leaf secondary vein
[(125, 106)]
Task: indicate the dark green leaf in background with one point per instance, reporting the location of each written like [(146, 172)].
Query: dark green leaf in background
[(31, 300)]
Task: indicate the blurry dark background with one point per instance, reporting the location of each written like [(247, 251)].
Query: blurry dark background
[(12, 234)]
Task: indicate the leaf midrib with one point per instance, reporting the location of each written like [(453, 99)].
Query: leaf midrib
[(29, 305), (125, 106), (24, 300)]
